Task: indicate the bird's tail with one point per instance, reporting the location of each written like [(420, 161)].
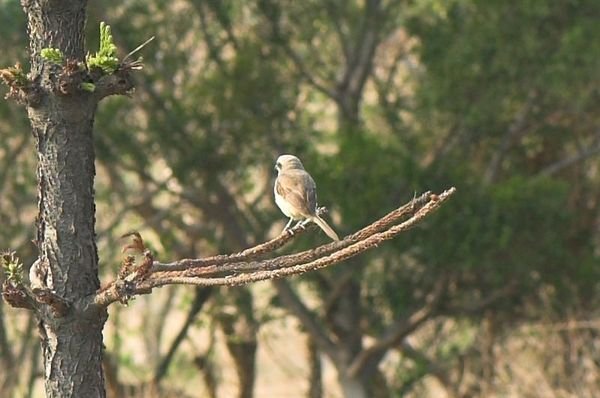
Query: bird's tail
[(325, 227)]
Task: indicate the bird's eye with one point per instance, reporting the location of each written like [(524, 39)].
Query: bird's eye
[(278, 166)]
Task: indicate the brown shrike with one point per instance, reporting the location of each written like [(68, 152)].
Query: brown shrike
[(296, 194)]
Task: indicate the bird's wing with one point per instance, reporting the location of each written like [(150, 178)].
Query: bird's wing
[(298, 188), (310, 193)]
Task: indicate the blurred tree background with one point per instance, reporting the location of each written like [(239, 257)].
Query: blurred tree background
[(494, 296)]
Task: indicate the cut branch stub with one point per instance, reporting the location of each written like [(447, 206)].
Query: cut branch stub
[(118, 83), (57, 304), (17, 296)]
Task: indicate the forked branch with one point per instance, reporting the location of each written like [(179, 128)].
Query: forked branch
[(250, 265)]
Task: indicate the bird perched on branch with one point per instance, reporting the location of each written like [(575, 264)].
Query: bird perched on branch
[(296, 194)]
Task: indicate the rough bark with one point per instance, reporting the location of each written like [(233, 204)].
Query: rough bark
[(62, 127)]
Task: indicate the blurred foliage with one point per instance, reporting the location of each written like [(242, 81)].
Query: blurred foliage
[(496, 98)]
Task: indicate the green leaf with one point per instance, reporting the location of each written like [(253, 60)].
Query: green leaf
[(53, 55), (91, 87), (105, 58), (13, 268)]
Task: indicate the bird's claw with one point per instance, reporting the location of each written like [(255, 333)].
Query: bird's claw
[(303, 224)]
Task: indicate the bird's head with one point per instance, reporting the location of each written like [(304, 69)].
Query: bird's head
[(288, 162)]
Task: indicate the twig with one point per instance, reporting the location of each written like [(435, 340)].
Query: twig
[(435, 368), (515, 131), (138, 48), (569, 161), (281, 40)]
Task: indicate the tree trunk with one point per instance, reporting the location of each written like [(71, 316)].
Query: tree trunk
[(315, 380), (351, 387), (241, 330), (62, 127), (371, 384)]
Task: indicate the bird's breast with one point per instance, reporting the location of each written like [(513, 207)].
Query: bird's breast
[(287, 208)]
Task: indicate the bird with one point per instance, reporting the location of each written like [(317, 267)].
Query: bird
[(296, 194)]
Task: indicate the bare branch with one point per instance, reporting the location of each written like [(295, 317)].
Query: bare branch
[(398, 331), (224, 20), (480, 304), (233, 269), (200, 298), (360, 64), (269, 246), (214, 50), (222, 259), (282, 41), (333, 12), (515, 131), (307, 318), (304, 71), (569, 161), (335, 292), (433, 367)]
